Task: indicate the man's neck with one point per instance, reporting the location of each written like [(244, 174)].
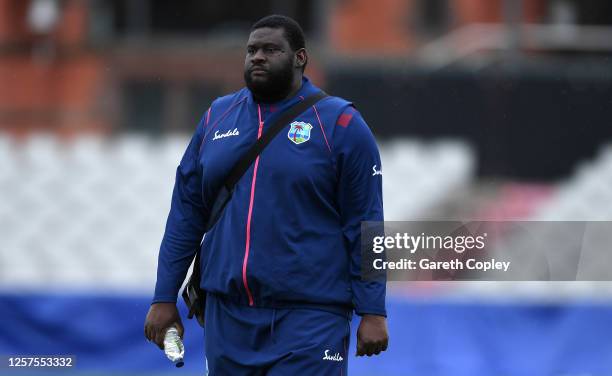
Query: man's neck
[(295, 86)]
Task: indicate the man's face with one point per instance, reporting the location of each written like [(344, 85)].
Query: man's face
[(269, 64)]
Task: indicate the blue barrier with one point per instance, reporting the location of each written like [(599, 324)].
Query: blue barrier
[(105, 333)]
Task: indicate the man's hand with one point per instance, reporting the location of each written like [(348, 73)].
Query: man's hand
[(372, 336), (161, 316)]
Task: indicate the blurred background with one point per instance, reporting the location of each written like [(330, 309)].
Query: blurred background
[(483, 109)]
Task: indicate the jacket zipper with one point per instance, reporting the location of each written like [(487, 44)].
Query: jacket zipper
[(249, 217)]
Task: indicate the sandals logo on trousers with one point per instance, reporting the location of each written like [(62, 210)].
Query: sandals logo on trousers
[(299, 132), (334, 358)]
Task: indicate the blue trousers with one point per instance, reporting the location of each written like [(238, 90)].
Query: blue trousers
[(242, 340)]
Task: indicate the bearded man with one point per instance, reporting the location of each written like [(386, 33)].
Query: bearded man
[(282, 265)]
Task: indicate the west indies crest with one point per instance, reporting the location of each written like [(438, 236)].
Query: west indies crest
[(299, 132)]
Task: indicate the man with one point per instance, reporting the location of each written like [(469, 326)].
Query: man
[(282, 264)]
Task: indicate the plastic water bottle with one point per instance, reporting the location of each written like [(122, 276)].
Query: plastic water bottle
[(173, 346)]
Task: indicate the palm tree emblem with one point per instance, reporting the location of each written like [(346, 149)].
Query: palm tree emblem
[(297, 128), (299, 132)]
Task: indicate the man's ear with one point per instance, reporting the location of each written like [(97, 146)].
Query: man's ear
[(301, 58)]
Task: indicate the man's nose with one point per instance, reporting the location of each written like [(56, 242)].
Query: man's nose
[(258, 56)]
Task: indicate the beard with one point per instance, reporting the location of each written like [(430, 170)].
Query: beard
[(273, 87)]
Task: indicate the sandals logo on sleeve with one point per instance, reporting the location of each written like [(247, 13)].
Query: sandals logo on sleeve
[(375, 171), (299, 132)]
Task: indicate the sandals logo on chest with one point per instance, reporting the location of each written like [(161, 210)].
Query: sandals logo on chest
[(229, 133)]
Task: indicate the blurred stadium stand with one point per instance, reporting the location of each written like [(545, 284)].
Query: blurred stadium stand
[(424, 170), (585, 196), (484, 109), (95, 208)]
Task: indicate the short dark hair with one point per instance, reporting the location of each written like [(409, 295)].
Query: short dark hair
[(292, 30)]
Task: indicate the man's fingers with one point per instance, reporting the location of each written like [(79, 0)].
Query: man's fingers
[(369, 348), (154, 336), (364, 348), (149, 333), (378, 348), (359, 348), (382, 346), (180, 329), (159, 338)]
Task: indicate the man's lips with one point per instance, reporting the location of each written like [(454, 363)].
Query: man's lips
[(258, 71)]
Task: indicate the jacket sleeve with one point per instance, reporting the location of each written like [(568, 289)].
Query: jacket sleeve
[(360, 199), (185, 224)]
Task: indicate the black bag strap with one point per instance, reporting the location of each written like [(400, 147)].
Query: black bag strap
[(249, 157)]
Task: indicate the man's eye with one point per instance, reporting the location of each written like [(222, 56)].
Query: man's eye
[(271, 50), (250, 51)]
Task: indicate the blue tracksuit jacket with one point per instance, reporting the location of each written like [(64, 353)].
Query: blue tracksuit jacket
[(291, 233)]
